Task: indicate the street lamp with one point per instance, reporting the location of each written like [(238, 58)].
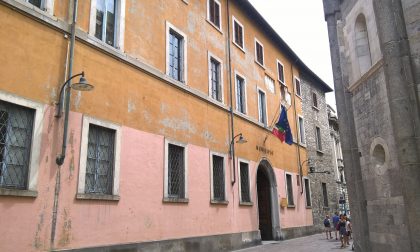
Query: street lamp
[(82, 85), (241, 140)]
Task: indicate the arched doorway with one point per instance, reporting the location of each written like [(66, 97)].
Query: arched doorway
[(268, 210)]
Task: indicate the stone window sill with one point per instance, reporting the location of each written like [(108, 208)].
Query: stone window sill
[(291, 206), (91, 196), (175, 200), (242, 203), (320, 152), (308, 207), (18, 193), (219, 202)]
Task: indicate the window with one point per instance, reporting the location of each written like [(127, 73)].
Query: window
[(21, 123), (107, 21), (262, 107), (244, 186), (301, 130), (218, 192), (37, 3), (318, 138), (16, 125), (238, 33), (297, 87), (307, 193), (176, 53), (175, 172), (325, 194), (362, 44), (215, 78), (280, 71), (314, 100), (259, 52), (240, 94), (289, 189), (213, 13), (99, 160), (270, 84)]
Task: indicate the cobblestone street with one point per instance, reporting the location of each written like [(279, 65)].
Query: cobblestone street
[(313, 243)]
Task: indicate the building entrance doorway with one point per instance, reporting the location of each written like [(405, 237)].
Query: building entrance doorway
[(264, 205)]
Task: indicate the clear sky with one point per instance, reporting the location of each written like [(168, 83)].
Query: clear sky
[(302, 25)]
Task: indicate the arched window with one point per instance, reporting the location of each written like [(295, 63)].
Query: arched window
[(362, 44)]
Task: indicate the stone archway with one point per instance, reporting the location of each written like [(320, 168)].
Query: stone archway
[(267, 197)]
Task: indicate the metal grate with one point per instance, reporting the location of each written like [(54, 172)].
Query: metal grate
[(100, 160), (245, 194), (176, 171), (16, 123), (218, 178)]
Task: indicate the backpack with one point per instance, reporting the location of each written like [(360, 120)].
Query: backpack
[(326, 222)]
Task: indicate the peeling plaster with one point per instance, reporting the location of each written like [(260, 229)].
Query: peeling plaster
[(131, 106)]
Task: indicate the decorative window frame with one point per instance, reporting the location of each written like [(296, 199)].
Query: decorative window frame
[(309, 190), (220, 16), (287, 192), (166, 197), (259, 106), (120, 25), (278, 72), (245, 93), (212, 200), (169, 27), (256, 41), (241, 202), (209, 56), (303, 143), (235, 20), (36, 140), (295, 78), (81, 194)]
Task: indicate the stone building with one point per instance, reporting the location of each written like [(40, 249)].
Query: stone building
[(317, 141), (376, 66), (154, 158), (337, 161)]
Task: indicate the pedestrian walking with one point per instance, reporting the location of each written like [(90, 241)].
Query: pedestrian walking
[(335, 220), (348, 230), (342, 230), (327, 226)]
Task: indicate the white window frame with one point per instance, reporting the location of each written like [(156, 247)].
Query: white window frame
[(166, 177), (46, 6), (212, 153), (259, 105), (287, 192), (245, 93), (37, 130), (240, 160), (169, 27), (87, 120), (300, 87), (309, 190), (300, 133), (220, 15), (120, 25), (234, 20), (278, 72), (263, 55), (209, 56)]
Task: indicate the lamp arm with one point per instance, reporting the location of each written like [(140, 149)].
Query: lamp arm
[(60, 101)]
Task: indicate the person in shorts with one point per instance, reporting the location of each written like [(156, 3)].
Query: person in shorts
[(343, 232), (327, 226), (335, 221)]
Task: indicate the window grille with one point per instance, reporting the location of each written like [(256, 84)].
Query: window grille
[(324, 192), (218, 178), (100, 160), (16, 124), (245, 193), (176, 171), (290, 200), (240, 94), (175, 56), (214, 11), (262, 107), (307, 193), (106, 21), (216, 89)]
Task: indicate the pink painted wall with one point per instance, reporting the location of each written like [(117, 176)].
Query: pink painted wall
[(139, 215)]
